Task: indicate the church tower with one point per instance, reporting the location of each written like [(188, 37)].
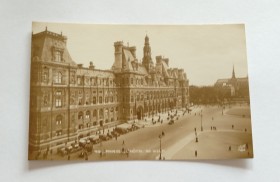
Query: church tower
[(233, 82), (147, 59), (233, 73)]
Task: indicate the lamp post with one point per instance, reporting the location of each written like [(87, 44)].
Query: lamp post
[(201, 122), (160, 136)]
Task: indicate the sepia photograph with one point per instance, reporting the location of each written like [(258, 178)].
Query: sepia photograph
[(139, 92)]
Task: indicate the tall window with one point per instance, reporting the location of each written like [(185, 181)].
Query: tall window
[(94, 113), (101, 113), (58, 102), (100, 100), (58, 56), (58, 77), (87, 115), (80, 115), (58, 120), (94, 100), (45, 76)]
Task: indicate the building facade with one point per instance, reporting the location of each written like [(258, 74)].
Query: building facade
[(69, 101), (234, 87)]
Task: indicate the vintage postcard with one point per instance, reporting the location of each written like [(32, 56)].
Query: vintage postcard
[(139, 92)]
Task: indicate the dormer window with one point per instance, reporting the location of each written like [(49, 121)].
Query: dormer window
[(58, 56)]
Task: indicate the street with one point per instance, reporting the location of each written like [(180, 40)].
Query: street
[(221, 129)]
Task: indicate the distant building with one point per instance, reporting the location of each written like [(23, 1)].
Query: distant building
[(234, 87), (69, 101)]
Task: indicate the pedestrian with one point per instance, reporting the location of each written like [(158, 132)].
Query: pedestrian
[(245, 129), (211, 128), (232, 126), (196, 139), (123, 142), (195, 153), (162, 133), (127, 152), (195, 129), (229, 148)]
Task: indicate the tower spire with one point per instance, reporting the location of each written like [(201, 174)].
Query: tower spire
[(147, 58), (233, 72)]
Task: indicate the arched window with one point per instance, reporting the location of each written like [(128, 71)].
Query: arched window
[(80, 115), (100, 100), (87, 115), (58, 77)]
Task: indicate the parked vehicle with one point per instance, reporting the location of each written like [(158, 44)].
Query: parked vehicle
[(121, 130), (115, 134), (61, 151), (104, 137), (110, 135), (69, 149), (94, 139), (82, 142), (171, 122), (75, 147)]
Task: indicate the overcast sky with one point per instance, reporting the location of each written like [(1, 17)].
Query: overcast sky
[(205, 52)]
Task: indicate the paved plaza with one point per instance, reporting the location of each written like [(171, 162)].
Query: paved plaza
[(226, 133)]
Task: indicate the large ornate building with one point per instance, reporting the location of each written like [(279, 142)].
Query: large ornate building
[(69, 101)]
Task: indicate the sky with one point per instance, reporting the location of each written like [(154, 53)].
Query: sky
[(205, 52)]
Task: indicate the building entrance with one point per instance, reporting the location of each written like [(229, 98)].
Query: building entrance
[(140, 112)]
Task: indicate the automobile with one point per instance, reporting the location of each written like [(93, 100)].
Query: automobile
[(104, 137), (94, 139), (121, 130), (115, 134), (69, 149), (171, 122), (82, 142), (61, 151), (110, 135), (75, 147)]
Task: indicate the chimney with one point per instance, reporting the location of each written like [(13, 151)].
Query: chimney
[(117, 66), (158, 59), (91, 66)]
